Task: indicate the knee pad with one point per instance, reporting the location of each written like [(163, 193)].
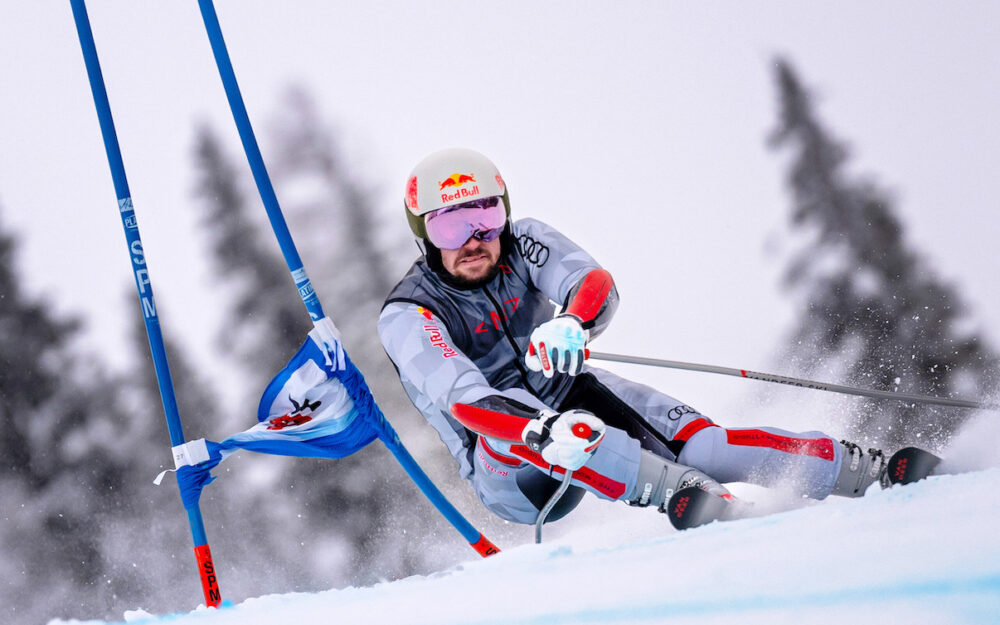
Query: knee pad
[(539, 488), (700, 449)]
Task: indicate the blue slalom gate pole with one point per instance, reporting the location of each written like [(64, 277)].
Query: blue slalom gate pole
[(203, 554), (386, 433)]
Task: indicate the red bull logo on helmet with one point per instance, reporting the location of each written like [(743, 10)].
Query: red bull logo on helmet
[(458, 182)]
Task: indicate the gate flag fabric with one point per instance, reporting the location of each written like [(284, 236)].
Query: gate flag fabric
[(306, 411)]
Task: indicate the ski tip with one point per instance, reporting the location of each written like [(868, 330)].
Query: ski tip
[(690, 507), (910, 464)]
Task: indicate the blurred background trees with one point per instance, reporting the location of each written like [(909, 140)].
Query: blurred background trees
[(72, 450), (869, 301)]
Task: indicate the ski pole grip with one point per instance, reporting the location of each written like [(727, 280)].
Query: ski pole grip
[(531, 351)]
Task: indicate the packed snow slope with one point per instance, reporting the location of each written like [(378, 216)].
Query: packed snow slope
[(924, 553)]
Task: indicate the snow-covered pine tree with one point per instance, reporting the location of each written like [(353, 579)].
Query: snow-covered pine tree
[(870, 301), (266, 323)]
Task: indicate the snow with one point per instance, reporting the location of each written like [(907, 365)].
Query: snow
[(926, 553)]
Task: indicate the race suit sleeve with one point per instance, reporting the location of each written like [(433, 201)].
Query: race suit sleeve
[(435, 375), (567, 274)]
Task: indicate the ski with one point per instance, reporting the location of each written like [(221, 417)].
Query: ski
[(910, 464), (691, 506)]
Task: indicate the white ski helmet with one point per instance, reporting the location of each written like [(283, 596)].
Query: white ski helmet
[(449, 177)]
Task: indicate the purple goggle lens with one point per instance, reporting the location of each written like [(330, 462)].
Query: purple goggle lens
[(449, 228)]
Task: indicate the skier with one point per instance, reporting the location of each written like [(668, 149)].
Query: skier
[(484, 356)]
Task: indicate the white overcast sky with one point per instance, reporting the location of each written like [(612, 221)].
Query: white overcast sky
[(638, 128)]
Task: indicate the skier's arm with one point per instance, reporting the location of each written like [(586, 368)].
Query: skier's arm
[(436, 375), (593, 301), (567, 275), (567, 439)]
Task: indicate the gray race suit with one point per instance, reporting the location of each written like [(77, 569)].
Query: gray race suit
[(459, 345)]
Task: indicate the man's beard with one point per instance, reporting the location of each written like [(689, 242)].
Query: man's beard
[(473, 283), (432, 255)]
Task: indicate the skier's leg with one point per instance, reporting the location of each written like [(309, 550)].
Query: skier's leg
[(539, 487), (610, 472), (620, 470), (646, 414), (515, 482), (495, 480), (807, 462), (810, 462)]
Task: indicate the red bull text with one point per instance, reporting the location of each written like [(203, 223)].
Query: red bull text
[(460, 193), (438, 341)]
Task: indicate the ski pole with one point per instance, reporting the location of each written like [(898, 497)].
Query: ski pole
[(780, 379), (386, 433), (551, 503), (203, 554)]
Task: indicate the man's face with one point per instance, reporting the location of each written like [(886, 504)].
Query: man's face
[(474, 261)]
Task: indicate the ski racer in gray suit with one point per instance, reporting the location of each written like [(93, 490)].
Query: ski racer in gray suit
[(473, 323)]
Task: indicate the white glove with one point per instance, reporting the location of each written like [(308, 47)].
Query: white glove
[(567, 440), (559, 344)]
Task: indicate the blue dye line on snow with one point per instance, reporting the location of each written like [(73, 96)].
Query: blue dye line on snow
[(989, 584), (888, 593)]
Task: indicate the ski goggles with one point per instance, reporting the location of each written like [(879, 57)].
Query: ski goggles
[(449, 228)]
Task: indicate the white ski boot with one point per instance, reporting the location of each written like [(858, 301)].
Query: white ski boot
[(859, 470), (686, 495)]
